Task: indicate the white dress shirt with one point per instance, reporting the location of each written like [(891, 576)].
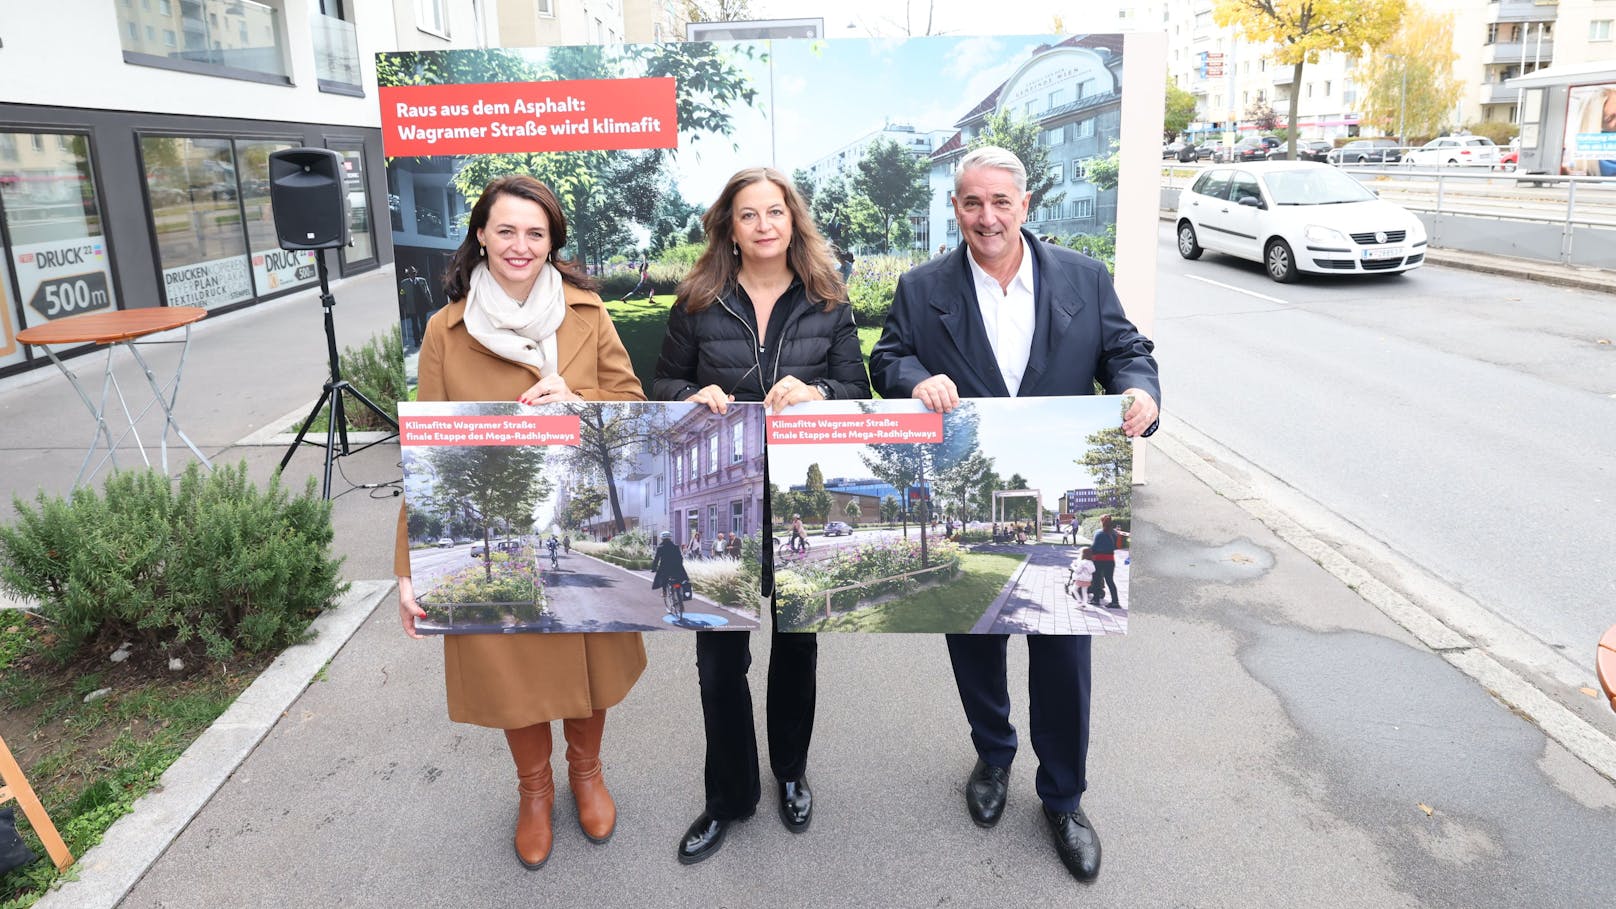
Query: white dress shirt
[(1008, 315)]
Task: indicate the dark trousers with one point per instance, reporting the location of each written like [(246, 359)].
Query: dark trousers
[(722, 659), (1105, 575), (1058, 707)]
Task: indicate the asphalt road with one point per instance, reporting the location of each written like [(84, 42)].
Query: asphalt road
[(1466, 420)]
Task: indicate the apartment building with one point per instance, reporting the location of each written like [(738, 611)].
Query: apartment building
[(1497, 40)]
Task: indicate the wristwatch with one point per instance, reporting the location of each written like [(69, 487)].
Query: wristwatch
[(824, 388)]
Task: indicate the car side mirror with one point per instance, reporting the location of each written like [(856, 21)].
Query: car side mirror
[(1252, 201)]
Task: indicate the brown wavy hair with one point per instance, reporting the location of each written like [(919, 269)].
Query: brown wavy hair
[(718, 268), (457, 280)]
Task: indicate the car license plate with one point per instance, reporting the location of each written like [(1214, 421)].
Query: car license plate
[(1388, 252)]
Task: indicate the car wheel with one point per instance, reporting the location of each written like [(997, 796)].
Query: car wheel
[(1188, 247), (1280, 262), (1453, 162), (1360, 159)]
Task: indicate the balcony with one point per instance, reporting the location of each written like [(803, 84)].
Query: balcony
[(1532, 51), (1283, 75), (336, 55), (1523, 10), (1497, 93)]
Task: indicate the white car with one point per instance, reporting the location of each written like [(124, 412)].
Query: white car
[(1294, 217), (1453, 151)]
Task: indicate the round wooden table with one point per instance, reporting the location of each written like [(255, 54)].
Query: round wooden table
[(122, 328)]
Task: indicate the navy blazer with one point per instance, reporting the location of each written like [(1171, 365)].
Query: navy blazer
[(1081, 334)]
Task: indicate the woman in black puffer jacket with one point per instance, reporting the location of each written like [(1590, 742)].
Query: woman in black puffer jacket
[(763, 316)]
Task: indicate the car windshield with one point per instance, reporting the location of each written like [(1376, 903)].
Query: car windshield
[(1321, 186)]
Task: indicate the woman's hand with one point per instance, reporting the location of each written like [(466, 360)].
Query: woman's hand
[(408, 609), (548, 390), (713, 397), (788, 391)]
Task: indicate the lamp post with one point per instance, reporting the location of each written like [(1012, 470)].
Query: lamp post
[(1402, 102)]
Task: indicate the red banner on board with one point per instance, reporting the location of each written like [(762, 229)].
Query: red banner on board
[(502, 117), (518, 429), (855, 428)]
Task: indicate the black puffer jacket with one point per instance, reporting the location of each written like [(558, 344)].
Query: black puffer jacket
[(719, 346)]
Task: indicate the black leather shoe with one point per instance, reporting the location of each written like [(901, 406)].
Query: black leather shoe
[(702, 839), (796, 805), (985, 792), (1076, 843)]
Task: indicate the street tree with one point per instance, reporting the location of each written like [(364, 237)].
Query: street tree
[(1110, 460), (1102, 172), (890, 509), (956, 487), (1301, 30), (804, 182), (496, 482), (581, 506), (815, 479), (1409, 86), (1024, 139), (865, 224), (854, 511), (829, 207), (893, 180), (1180, 111), (609, 436)]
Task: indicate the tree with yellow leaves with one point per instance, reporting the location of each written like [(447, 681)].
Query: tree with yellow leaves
[(1301, 30), (1408, 81)]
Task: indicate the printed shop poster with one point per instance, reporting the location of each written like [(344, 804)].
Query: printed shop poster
[(638, 140), (549, 518), (961, 522)]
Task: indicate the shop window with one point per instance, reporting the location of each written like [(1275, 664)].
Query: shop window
[(58, 254), (197, 220), (239, 39)]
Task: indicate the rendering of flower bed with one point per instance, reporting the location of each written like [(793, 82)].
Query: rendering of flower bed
[(875, 573), (507, 578)]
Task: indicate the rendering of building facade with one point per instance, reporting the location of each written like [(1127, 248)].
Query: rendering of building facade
[(716, 473)]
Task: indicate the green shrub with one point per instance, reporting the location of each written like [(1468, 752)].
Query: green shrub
[(633, 544), (724, 581), (212, 564), (1500, 131), (794, 600)]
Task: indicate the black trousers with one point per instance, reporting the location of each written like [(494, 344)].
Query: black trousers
[(1105, 575), (722, 660), (1058, 683)]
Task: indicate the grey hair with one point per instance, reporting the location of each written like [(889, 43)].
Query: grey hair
[(992, 156)]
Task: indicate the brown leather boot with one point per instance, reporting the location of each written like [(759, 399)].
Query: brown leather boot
[(530, 748), (597, 813)]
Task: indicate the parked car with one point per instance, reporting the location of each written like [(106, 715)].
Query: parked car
[(1251, 148), (506, 545), (1454, 151), (1509, 159), (445, 542), (837, 529), (1306, 150), (1367, 151), (1296, 217)]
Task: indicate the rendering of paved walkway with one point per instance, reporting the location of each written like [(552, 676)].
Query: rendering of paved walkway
[(1035, 601)]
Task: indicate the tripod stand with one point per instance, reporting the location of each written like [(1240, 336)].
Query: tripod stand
[(336, 423)]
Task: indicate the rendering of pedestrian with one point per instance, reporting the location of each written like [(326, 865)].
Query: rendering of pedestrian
[(1005, 315), (695, 544), (519, 312), (414, 306), (1107, 540), (1082, 574), (763, 316)]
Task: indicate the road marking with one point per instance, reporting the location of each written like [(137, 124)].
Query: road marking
[(1239, 290)]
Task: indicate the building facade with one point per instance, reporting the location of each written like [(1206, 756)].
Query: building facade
[(716, 473)]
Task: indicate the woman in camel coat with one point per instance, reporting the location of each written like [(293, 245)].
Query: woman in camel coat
[(512, 294)]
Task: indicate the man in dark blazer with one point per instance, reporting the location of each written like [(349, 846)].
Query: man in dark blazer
[(1006, 315)]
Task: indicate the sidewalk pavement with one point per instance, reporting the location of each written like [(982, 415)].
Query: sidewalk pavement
[(1263, 736)]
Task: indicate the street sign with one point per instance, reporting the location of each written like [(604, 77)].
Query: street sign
[(55, 298)]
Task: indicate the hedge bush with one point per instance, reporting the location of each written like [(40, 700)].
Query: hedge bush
[(376, 369), (209, 565)]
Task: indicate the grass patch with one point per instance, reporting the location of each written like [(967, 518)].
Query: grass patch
[(641, 325), (952, 607), (90, 762)]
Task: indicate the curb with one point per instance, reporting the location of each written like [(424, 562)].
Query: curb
[(1585, 741), (107, 872), (274, 434)]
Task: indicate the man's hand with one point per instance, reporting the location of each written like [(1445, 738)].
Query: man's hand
[(548, 390), (1141, 413), (713, 398), (937, 393)]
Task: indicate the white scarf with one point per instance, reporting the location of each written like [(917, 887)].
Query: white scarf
[(522, 331)]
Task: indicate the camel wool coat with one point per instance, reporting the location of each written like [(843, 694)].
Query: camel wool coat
[(507, 681)]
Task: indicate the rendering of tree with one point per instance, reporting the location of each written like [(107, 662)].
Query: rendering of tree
[(1110, 460), (865, 223), (956, 487), (1017, 509), (1102, 172), (1408, 82), (501, 482), (815, 480), (1024, 139), (608, 437), (907, 466), (830, 208), (890, 509), (893, 180), (1180, 111), (804, 182), (1301, 30), (854, 511), (581, 506)]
